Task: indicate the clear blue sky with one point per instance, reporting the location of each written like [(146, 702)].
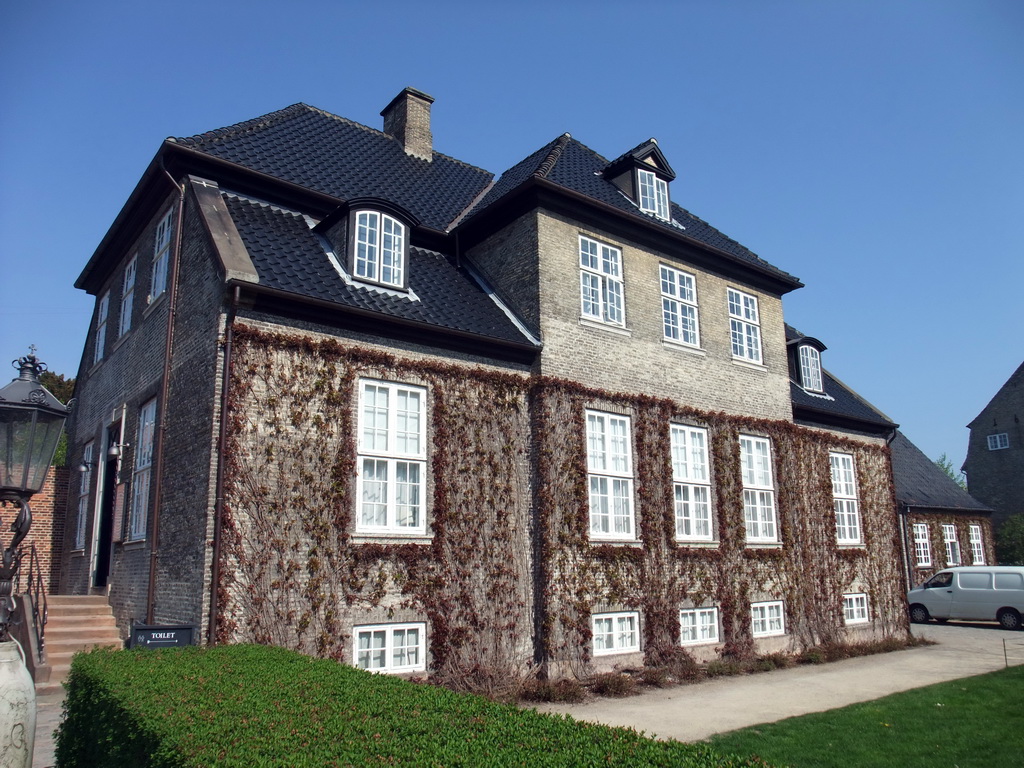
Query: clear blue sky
[(874, 149)]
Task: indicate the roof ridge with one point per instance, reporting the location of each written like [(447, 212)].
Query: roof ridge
[(246, 126), (557, 147)]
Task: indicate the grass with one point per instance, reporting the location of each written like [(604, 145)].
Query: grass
[(976, 721)]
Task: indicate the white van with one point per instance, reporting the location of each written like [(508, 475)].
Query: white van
[(971, 593)]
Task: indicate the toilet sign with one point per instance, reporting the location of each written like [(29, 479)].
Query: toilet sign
[(166, 636)]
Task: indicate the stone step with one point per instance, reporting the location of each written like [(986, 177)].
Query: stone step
[(74, 623)]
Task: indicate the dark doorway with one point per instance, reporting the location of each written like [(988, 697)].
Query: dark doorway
[(106, 533)]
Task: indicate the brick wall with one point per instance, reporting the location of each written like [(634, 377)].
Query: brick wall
[(49, 510)]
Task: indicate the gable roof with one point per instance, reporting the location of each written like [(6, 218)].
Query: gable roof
[(291, 259), (920, 482), (1015, 382), (344, 159), (575, 168)]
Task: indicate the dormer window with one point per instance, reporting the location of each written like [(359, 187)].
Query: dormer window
[(379, 248), (810, 368), (653, 197)]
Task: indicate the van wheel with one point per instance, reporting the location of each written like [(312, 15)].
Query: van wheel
[(918, 614), (1009, 619)]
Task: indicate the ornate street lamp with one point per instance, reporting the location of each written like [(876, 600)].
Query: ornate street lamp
[(31, 420)]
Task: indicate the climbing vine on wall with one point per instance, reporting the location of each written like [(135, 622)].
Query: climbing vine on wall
[(508, 575)]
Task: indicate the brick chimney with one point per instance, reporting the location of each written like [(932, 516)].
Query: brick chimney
[(407, 118)]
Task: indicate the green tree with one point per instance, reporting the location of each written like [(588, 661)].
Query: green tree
[(62, 389), (946, 466), (1010, 541)]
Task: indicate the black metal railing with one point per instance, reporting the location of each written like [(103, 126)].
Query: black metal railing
[(36, 590)]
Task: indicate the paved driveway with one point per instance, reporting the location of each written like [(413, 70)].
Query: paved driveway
[(694, 712)]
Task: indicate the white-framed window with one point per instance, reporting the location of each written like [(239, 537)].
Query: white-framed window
[(146, 434), (922, 545), (101, 328), (855, 608), (610, 476), (745, 326), (977, 548), (161, 252), (128, 296), (653, 195), (691, 482), (999, 441), (768, 618), (679, 306), (952, 544), (379, 248), (758, 488), (391, 647), (698, 625), (601, 282), (810, 368), (615, 632), (392, 458), (844, 498), (84, 491)]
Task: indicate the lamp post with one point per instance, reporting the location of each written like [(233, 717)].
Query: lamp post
[(31, 420)]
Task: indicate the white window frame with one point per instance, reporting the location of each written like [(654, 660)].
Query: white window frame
[(102, 314), (602, 296), (759, 513), (977, 546), (84, 492), (745, 326), (128, 296), (145, 438), (615, 632), (691, 482), (810, 368), (998, 441), (953, 555), (652, 194), (395, 658), (698, 626), (768, 619), (680, 320), (922, 545), (397, 453), (610, 475), (161, 252), (855, 608), (379, 248), (844, 498)]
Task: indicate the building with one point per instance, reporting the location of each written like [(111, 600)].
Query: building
[(348, 394), (940, 523), (995, 451)]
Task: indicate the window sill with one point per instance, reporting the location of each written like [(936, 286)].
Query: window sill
[(121, 340), (616, 652), (763, 544), (597, 325), (680, 347), (851, 545), (750, 365), (150, 308), (78, 552), (696, 544), (133, 544), (634, 543), (391, 538)]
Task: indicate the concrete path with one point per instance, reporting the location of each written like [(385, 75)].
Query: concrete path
[(695, 712)]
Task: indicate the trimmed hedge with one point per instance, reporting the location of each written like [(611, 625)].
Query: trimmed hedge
[(253, 706)]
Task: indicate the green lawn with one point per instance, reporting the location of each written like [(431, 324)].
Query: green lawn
[(976, 721)]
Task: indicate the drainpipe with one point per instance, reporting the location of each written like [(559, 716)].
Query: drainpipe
[(222, 437), (165, 385)]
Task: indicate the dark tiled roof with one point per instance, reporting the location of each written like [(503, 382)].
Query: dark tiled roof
[(288, 256), (920, 483), (346, 160), (570, 164), (841, 401)]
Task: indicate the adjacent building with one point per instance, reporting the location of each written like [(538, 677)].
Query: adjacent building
[(995, 451), (345, 393)]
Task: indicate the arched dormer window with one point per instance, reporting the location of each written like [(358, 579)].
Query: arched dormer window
[(810, 368), (379, 248)]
